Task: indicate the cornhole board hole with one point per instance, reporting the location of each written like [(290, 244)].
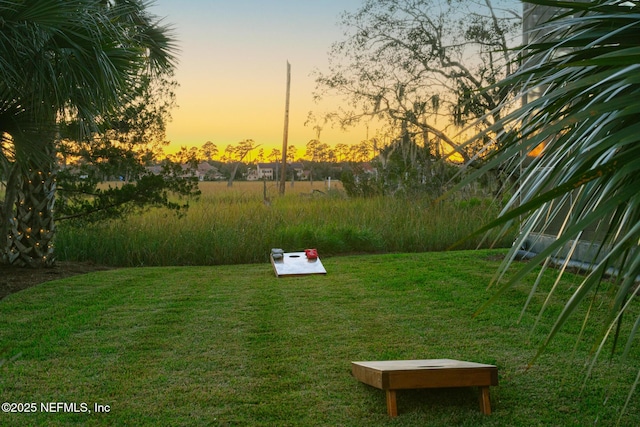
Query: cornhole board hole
[(392, 375), (296, 264)]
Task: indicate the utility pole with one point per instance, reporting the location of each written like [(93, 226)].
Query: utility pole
[(285, 138)]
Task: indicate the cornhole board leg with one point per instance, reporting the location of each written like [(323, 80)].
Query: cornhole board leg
[(392, 405), (485, 400)]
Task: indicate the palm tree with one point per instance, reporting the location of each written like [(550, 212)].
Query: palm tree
[(62, 60), (575, 149)]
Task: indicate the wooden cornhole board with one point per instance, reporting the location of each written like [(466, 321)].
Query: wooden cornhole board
[(297, 264), (392, 375)]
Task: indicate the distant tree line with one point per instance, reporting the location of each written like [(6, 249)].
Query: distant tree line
[(406, 165), (315, 151)]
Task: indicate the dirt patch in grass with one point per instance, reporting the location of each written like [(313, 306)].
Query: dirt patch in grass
[(494, 257), (15, 279)]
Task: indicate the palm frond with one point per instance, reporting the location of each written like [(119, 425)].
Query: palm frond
[(82, 57), (575, 148)]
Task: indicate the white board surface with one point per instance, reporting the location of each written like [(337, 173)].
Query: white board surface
[(297, 264)]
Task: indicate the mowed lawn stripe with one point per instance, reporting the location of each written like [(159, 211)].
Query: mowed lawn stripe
[(235, 345)]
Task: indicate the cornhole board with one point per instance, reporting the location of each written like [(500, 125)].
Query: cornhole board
[(392, 375), (296, 264)]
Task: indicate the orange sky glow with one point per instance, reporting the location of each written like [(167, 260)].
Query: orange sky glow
[(232, 70)]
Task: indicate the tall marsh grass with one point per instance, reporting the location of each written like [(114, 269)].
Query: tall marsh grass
[(238, 225)]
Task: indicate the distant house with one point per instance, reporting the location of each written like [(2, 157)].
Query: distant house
[(252, 175), (267, 171), (263, 171), (204, 171), (301, 173), (271, 171)]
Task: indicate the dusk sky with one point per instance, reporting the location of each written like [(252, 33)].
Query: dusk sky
[(232, 69)]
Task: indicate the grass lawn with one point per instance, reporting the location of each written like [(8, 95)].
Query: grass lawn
[(234, 345)]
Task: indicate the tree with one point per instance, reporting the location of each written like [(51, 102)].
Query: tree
[(237, 155), (342, 152), (62, 60), (209, 151), (274, 155), (260, 156), (317, 151), (403, 167), (362, 152), (577, 141), (407, 61), (291, 153), (129, 139), (185, 156), (195, 152), (127, 148)]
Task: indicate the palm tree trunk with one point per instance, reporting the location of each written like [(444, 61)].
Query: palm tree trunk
[(7, 211), (31, 227)]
